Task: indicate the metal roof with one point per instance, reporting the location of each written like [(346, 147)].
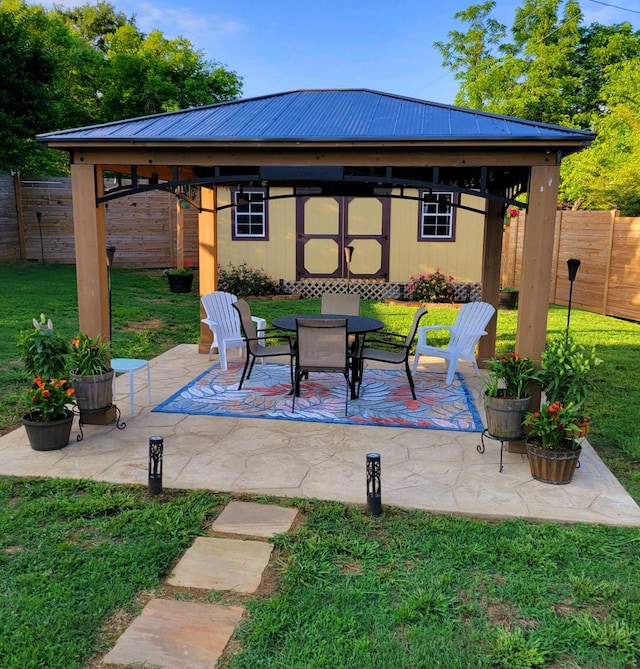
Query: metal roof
[(321, 115)]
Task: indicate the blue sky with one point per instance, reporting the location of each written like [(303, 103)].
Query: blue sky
[(284, 45)]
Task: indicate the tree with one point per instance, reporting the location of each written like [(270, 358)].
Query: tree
[(146, 74), (470, 55), (90, 64), (555, 70), (40, 60), (607, 175), (150, 74)]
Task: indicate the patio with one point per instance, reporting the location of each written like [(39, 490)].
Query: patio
[(432, 470)]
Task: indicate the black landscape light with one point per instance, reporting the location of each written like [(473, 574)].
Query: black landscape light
[(156, 446), (374, 497)]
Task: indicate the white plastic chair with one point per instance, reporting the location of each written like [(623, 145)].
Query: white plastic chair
[(224, 322), (469, 326)]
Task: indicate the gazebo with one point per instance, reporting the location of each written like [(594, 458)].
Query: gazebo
[(352, 142)]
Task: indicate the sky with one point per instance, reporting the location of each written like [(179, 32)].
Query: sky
[(284, 45)]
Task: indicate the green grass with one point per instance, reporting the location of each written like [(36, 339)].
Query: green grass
[(403, 590)]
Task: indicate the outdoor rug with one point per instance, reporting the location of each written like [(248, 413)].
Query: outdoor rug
[(385, 398)]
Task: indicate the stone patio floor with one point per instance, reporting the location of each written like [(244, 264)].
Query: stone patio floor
[(434, 470)]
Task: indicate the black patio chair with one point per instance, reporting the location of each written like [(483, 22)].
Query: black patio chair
[(256, 342), (395, 352), (322, 345)]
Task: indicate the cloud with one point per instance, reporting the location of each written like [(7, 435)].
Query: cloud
[(198, 27)]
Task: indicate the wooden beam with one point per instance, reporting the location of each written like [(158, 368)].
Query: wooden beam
[(91, 251), (207, 257), (154, 159)]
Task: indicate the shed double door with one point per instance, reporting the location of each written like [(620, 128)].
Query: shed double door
[(325, 226)]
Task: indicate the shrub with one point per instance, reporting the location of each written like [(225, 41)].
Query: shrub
[(42, 350), (434, 287), (242, 281)]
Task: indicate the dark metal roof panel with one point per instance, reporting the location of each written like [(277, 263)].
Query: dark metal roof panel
[(321, 115)]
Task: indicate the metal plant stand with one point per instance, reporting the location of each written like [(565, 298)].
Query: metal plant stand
[(503, 440), (84, 414)]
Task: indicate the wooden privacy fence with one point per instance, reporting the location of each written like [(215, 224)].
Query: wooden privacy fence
[(141, 227), (143, 230), (608, 247)]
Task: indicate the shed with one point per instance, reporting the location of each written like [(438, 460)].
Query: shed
[(355, 143)]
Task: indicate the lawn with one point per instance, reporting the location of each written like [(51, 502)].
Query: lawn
[(407, 589)]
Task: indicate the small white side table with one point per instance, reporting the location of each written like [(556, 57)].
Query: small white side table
[(131, 365)]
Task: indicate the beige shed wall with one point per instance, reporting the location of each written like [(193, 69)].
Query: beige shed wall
[(408, 257), (277, 256)]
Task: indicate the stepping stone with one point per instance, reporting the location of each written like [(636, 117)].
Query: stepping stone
[(222, 564), (258, 520), (176, 635)]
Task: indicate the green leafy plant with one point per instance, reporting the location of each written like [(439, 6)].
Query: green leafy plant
[(509, 376), (243, 281), (88, 356), (554, 425), (434, 287), (42, 350), (565, 370), (187, 268), (48, 399)]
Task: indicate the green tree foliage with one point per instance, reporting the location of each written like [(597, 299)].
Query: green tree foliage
[(40, 89), (90, 64), (607, 174), (549, 67)]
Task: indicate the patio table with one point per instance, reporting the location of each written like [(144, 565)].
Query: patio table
[(356, 325)]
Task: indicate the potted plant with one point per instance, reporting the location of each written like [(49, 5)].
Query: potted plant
[(43, 351), (48, 423), (90, 372), (552, 445), (180, 278), (506, 396), (508, 297), (565, 372)]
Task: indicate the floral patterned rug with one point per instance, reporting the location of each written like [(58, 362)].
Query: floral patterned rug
[(385, 398)]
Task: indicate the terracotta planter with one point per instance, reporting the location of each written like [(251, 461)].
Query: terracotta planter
[(47, 435), (552, 466), (93, 392), (505, 416), (180, 283)]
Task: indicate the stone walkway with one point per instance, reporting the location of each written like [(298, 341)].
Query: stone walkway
[(178, 634)]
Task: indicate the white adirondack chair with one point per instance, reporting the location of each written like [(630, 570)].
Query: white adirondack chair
[(469, 326), (224, 322)]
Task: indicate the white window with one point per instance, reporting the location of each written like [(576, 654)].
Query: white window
[(250, 220), (437, 219)]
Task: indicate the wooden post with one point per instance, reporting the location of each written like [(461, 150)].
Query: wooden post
[(537, 261), (491, 260), (207, 256), (91, 250), (17, 193), (179, 234)]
